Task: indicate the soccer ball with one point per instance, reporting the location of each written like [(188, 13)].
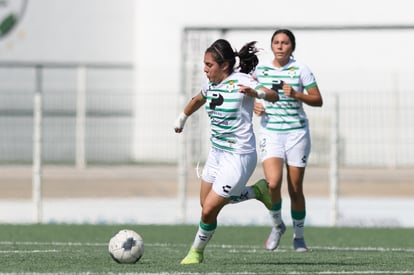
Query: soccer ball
[(126, 247)]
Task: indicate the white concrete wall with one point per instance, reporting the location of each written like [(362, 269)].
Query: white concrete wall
[(343, 61), (148, 34), (67, 31), (72, 31)]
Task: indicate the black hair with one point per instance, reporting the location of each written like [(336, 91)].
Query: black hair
[(223, 52), (289, 33)]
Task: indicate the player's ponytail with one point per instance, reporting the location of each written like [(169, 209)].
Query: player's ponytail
[(248, 57), (223, 52)]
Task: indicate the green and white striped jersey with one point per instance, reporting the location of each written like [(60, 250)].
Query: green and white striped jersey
[(287, 113), (231, 113)]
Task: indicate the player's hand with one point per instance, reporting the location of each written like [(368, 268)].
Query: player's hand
[(247, 90), (258, 108), (179, 122), (288, 90)]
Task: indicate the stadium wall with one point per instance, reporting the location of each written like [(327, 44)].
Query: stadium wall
[(54, 39), (354, 50)]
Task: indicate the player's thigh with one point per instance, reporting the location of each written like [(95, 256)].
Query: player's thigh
[(272, 145), (205, 188), (298, 146), (273, 170), (235, 171)]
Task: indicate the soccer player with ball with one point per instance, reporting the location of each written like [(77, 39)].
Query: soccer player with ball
[(229, 96)]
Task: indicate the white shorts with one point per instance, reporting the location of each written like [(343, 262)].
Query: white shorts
[(228, 172), (291, 146)]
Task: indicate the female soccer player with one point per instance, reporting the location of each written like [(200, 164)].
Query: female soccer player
[(284, 134), (230, 97)]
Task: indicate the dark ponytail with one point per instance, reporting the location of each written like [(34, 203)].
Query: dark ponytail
[(248, 57), (223, 52)]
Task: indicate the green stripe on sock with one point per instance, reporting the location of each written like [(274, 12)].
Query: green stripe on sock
[(277, 206), (234, 198), (298, 215), (208, 227)]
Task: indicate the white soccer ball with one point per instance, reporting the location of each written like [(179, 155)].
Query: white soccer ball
[(126, 247)]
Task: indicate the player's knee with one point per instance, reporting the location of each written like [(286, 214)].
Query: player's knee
[(208, 216), (275, 184)]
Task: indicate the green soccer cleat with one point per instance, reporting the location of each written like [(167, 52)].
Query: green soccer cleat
[(261, 189), (193, 257)]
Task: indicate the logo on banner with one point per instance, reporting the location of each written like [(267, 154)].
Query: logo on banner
[(11, 14)]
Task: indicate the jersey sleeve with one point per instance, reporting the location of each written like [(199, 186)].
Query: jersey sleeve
[(307, 77), (250, 81), (204, 89)]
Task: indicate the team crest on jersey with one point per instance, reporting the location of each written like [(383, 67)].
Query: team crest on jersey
[(231, 86), (292, 72)]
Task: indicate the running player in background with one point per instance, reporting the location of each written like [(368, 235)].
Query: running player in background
[(230, 95), (284, 133)]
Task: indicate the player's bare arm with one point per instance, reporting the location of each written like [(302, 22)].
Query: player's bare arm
[(258, 108), (262, 93), (195, 103), (312, 97)]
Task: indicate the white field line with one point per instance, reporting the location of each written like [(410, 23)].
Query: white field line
[(228, 273), (29, 251), (233, 248)]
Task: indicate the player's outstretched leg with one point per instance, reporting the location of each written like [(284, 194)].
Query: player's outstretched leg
[(261, 189), (202, 237), (193, 257)]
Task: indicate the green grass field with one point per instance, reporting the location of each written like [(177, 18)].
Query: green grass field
[(75, 249)]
